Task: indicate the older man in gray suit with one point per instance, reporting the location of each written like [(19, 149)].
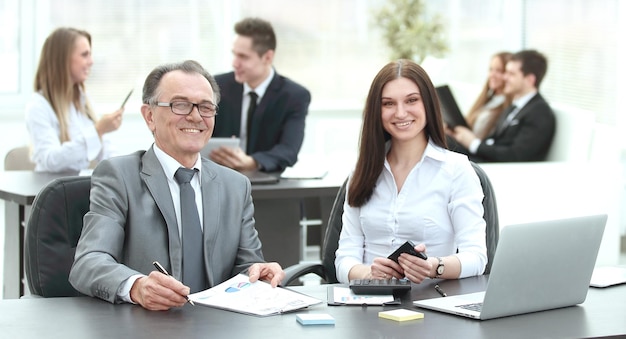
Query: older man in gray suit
[(137, 216)]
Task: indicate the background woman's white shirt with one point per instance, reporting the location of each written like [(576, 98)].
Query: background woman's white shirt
[(48, 153), (484, 117), (440, 204)]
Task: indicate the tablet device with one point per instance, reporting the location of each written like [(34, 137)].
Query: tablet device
[(450, 111), (217, 143)]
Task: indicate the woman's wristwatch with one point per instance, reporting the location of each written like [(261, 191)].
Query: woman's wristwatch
[(440, 268)]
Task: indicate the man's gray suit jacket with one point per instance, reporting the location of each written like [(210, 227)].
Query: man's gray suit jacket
[(132, 223)]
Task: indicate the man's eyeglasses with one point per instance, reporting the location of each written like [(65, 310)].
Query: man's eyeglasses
[(206, 109)]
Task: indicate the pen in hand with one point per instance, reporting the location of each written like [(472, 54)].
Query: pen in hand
[(162, 270), (441, 292)]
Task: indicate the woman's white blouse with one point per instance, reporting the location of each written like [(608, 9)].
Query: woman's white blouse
[(485, 116), (440, 205), (49, 154)]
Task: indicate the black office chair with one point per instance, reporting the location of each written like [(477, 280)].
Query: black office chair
[(492, 231), (53, 230), (326, 269)]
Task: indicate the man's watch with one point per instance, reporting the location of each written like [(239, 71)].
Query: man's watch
[(440, 268)]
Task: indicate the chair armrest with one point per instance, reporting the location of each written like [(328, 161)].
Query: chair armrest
[(293, 272)]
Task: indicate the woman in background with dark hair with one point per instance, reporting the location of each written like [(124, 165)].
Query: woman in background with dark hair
[(408, 186), (64, 131)]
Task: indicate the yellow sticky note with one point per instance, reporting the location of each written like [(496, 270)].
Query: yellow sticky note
[(401, 315)]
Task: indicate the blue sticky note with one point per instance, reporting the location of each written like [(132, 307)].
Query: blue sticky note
[(315, 319)]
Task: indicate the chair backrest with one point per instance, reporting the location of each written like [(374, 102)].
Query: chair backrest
[(331, 237), (18, 159), (492, 231), (53, 230)]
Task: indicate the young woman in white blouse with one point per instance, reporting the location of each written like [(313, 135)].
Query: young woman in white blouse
[(407, 186), (64, 131)]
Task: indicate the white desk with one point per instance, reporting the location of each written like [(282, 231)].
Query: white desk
[(528, 192)]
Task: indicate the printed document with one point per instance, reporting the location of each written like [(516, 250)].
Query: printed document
[(259, 298)]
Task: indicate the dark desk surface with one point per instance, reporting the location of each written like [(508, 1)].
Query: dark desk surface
[(602, 314)]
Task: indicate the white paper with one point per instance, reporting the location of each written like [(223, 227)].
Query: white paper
[(344, 295), (313, 168), (258, 298), (304, 173)]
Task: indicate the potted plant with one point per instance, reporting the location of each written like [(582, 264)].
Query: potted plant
[(410, 32)]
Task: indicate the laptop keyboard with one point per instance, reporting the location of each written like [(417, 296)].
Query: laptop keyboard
[(472, 307)]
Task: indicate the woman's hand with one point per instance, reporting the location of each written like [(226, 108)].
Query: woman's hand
[(109, 122), (415, 268), (385, 268)]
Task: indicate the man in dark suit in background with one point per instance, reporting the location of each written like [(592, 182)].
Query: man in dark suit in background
[(525, 129), (264, 109)]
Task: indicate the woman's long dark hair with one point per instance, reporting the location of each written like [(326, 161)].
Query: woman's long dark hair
[(373, 135)]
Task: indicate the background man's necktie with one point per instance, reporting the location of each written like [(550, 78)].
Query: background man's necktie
[(193, 255), (251, 109), (506, 118)]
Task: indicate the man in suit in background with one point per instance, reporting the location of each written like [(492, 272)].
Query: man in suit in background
[(525, 129), (265, 110), (141, 211)]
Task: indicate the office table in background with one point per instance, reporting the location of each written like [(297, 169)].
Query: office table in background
[(277, 215), (18, 189), (599, 316)]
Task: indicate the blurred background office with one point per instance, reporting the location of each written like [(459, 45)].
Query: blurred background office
[(333, 48)]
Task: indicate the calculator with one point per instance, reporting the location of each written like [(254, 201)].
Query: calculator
[(380, 286)]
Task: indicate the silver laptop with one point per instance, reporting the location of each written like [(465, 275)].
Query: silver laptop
[(219, 142), (537, 266)]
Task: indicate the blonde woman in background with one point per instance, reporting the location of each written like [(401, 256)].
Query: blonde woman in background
[(484, 114), (64, 131)]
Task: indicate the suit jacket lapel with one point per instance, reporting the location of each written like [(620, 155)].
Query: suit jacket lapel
[(264, 106), (527, 108), (520, 114), (156, 182), (210, 217), (237, 97)]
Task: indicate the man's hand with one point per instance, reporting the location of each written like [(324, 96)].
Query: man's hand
[(271, 272), (234, 158), (159, 292)]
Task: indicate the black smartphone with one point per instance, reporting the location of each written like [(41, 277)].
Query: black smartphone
[(407, 247), (126, 99)]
